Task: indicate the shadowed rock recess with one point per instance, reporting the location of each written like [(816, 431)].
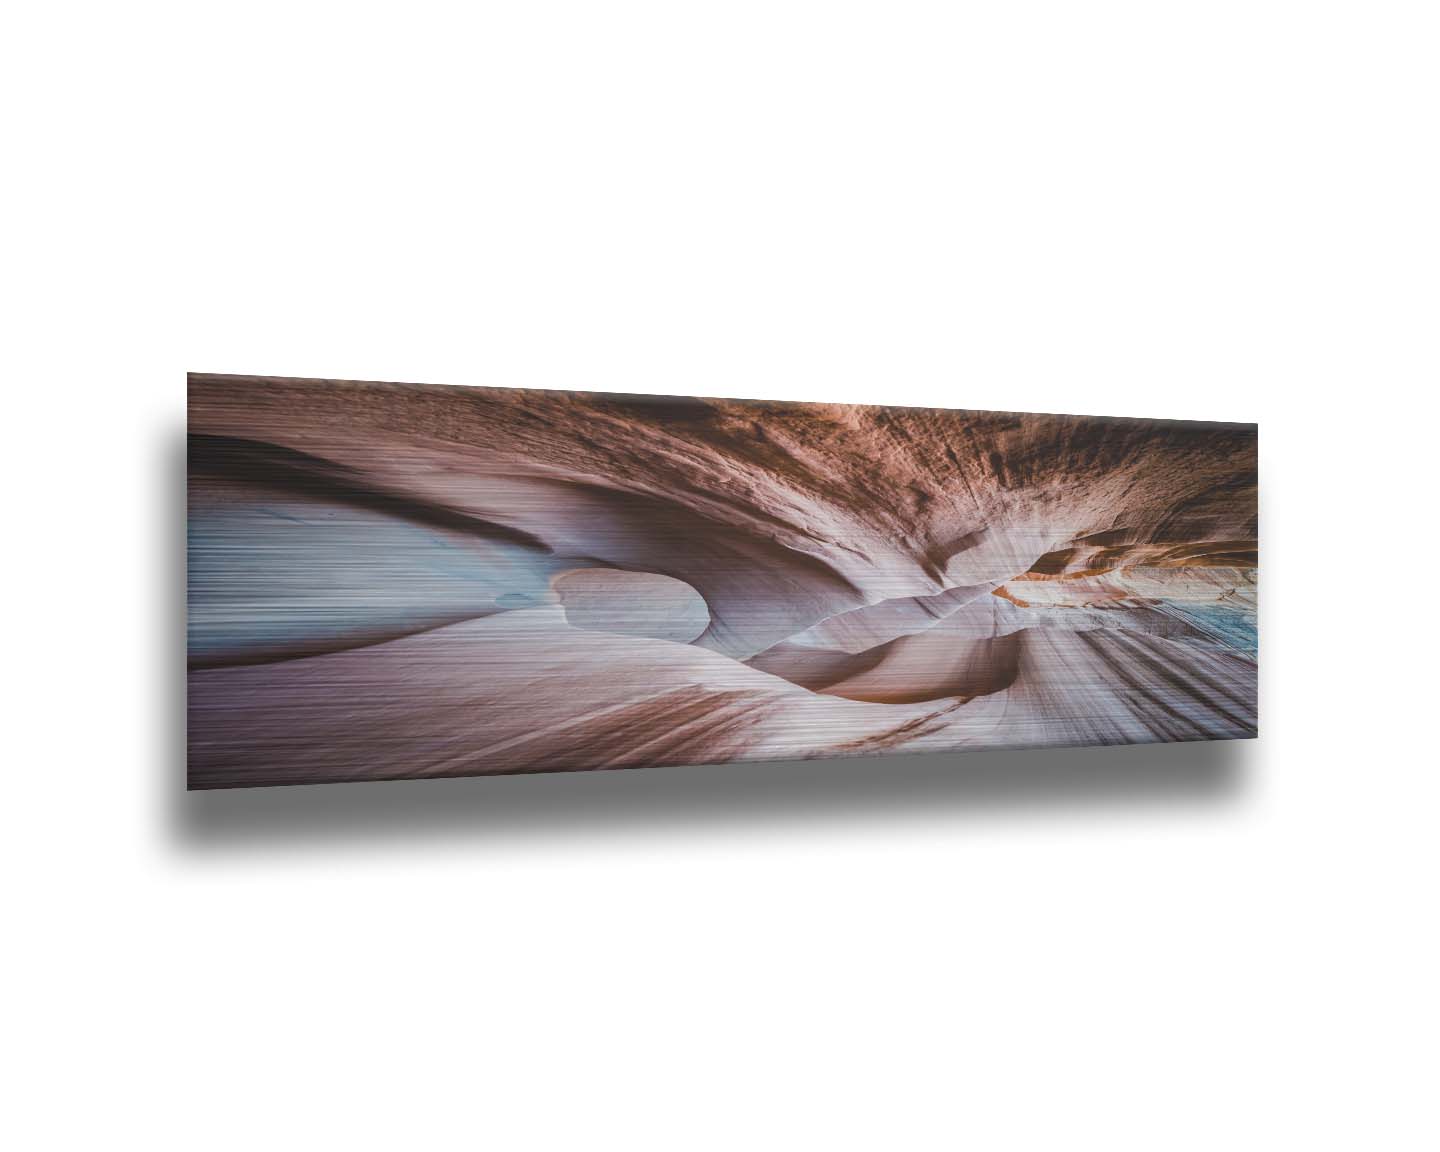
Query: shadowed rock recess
[(396, 580)]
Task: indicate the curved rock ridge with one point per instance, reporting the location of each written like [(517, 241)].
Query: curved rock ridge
[(391, 580), (864, 628)]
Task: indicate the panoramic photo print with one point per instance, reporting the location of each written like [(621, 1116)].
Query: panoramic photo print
[(401, 580)]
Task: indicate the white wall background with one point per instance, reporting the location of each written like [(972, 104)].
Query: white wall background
[(1212, 211)]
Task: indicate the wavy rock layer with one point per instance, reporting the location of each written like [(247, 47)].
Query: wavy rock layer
[(400, 580)]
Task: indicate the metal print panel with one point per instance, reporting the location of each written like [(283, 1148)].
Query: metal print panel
[(397, 580)]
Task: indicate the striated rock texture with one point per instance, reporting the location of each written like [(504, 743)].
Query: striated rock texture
[(394, 580)]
